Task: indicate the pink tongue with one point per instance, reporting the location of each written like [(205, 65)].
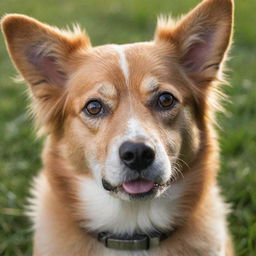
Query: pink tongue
[(138, 186)]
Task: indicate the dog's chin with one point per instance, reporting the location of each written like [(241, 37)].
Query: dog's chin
[(145, 190)]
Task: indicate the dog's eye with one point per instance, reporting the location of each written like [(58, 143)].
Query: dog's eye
[(166, 100), (93, 107)]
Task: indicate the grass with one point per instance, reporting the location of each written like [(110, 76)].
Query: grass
[(119, 22)]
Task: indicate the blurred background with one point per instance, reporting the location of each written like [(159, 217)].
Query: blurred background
[(123, 21)]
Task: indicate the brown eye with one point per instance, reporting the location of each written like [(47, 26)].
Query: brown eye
[(166, 100), (93, 108)]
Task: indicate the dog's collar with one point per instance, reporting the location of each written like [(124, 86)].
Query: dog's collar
[(134, 242)]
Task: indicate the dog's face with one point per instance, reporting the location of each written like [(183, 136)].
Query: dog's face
[(128, 116)]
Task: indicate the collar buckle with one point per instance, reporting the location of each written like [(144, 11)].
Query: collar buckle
[(135, 242)]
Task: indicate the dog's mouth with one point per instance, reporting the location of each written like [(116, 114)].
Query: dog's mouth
[(138, 186), (137, 189)]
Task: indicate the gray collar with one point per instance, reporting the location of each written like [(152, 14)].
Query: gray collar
[(134, 242)]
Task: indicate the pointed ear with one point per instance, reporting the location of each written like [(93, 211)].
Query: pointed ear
[(44, 56), (41, 53), (202, 38)]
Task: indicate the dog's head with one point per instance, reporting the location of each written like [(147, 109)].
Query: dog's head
[(132, 116)]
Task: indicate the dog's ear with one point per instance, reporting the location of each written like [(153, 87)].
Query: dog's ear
[(202, 38), (45, 57)]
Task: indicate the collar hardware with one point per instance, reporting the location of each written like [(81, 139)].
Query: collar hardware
[(135, 242)]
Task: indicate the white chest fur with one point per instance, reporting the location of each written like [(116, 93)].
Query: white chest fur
[(105, 212)]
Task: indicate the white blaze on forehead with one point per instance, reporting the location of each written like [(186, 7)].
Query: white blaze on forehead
[(122, 60)]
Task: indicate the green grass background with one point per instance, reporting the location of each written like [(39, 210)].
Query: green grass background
[(121, 21)]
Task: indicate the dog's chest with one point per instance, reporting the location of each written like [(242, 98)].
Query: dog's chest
[(159, 252), (120, 253)]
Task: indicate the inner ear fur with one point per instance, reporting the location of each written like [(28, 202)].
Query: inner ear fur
[(202, 38), (45, 57)]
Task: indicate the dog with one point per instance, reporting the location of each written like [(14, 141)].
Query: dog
[(131, 152)]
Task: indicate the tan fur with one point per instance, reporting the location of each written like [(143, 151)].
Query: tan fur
[(80, 72)]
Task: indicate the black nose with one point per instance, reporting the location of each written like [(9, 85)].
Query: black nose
[(137, 156)]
